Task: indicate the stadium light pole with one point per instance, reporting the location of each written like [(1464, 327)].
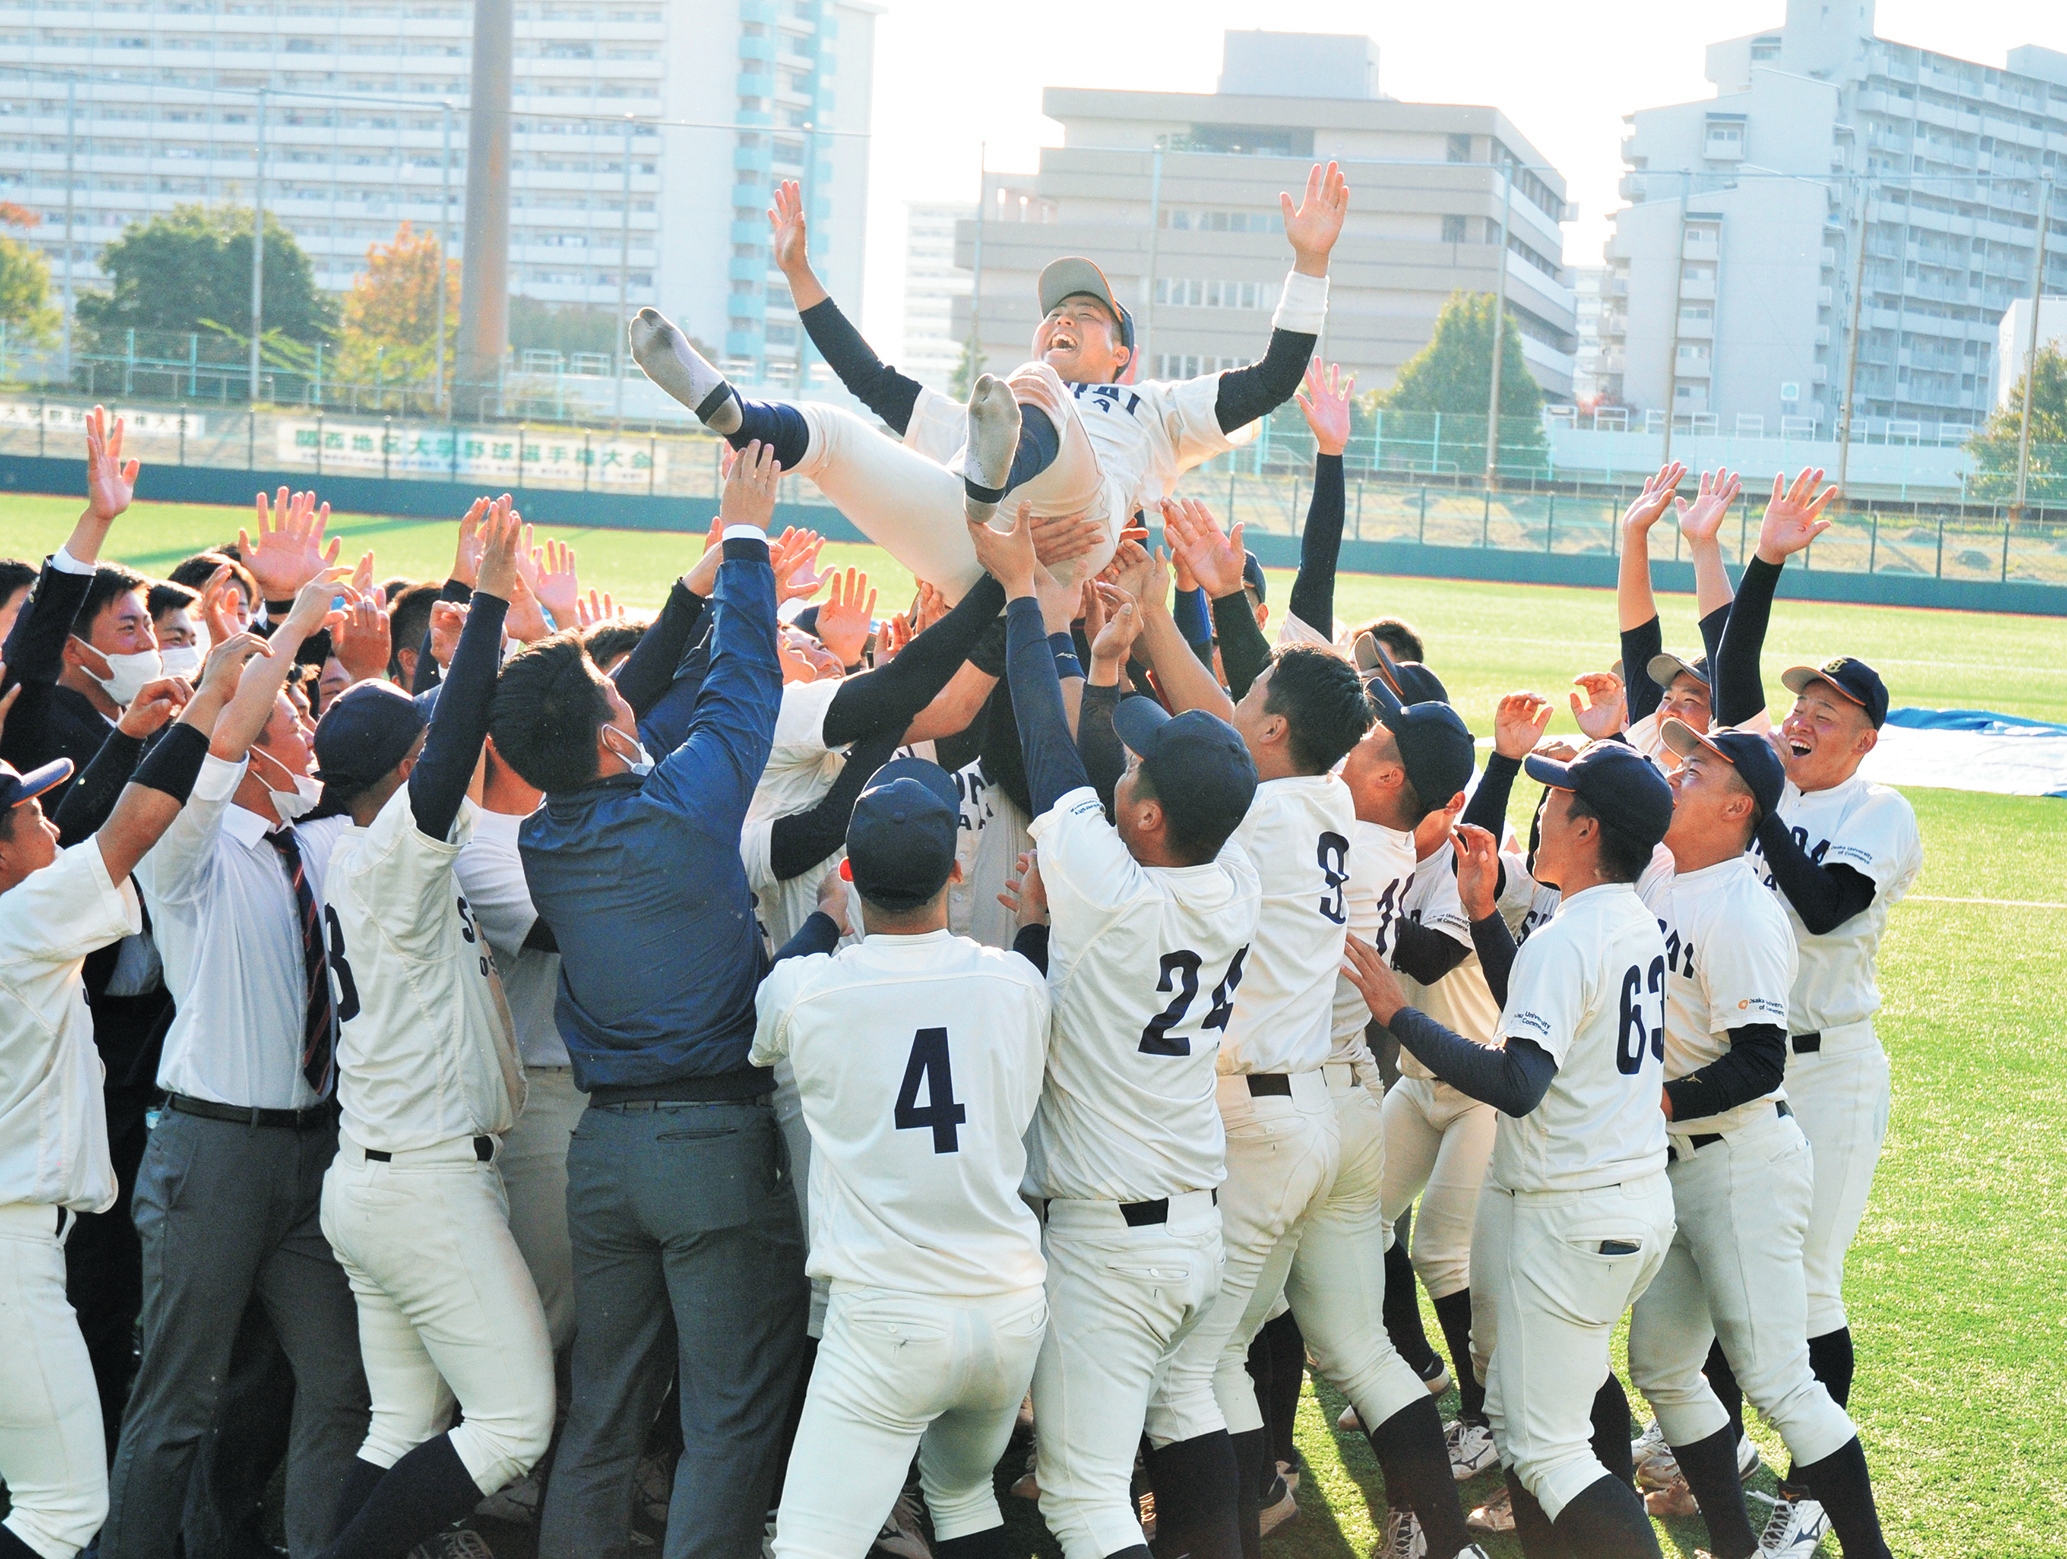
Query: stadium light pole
[(484, 285), (624, 266), (444, 246), (258, 242), (2045, 217), (1499, 328), (1844, 433), (71, 120)]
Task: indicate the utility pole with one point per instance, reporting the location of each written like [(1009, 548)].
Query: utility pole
[(258, 242), (624, 266), (1499, 327), (1844, 434), (1155, 228), (2045, 217), (1679, 281), (484, 284), (444, 248), (71, 120), (976, 280)]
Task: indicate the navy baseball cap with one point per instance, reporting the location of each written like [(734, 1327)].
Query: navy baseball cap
[(1198, 763), (1073, 275), (1852, 678), (1661, 669), (1750, 754), (901, 836), (1252, 576), (1618, 782), (17, 787), (1410, 681), (366, 731), (1434, 742)]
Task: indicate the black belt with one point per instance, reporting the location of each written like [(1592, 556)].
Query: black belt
[(316, 1115), (1269, 1085), (484, 1150), (1706, 1138), (1806, 1044), (1137, 1215)]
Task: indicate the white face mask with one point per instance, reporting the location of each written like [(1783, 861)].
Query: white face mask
[(298, 802), (182, 660), (127, 674), (640, 762)]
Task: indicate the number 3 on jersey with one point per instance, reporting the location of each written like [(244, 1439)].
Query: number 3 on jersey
[(1636, 1034), (929, 1063)]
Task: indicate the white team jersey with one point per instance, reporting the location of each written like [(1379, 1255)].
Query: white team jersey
[(974, 791), (1460, 1000), (1526, 903), (1588, 989), (918, 1062), (424, 1050), (1729, 960), (1143, 963), (800, 768), (1647, 736), (993, 860), (1297, 836), (53, 1120), (1871, 829), (491, 875), (1381, 865)]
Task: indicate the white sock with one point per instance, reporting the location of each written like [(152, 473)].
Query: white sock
[(678, 368), (993, 440)]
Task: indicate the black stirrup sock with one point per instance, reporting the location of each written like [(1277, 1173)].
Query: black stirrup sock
[(1402, 1311), (1841, 1484), (1454, 1311), (1710, 1468), (1722, 1380), (424, 1492), (1409, 1447), (1194, 1483), (1532, 1528), (990, 1543), (1607, 1521), (1611, 1431)]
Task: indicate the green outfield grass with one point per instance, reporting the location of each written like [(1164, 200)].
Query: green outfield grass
[(1958, 1282)]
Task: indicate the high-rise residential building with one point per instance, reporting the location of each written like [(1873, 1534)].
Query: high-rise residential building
[(931, 284), (1732, 271), (1175, 195), (709, 101), (1587, 281)]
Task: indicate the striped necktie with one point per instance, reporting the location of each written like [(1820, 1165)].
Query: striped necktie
[(318, 1041)]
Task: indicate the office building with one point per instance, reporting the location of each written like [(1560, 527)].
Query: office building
[(931, 284), (1587, 282), (1730, 293), (1175, 195)]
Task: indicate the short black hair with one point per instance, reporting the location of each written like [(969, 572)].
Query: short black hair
[(196, 571), (1322, 697), (109, 581), (409, 619), (1402, 640), (15, 575), (608, 640), (1186, 841), (167, 597), (549, 705), (1623, 857)]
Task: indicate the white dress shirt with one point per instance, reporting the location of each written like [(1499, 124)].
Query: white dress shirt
[(222, 909)]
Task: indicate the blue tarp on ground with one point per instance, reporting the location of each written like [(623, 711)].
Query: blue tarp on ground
[(1970, 749)]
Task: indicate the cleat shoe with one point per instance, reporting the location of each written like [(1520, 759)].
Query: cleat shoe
[(1495, 1515), (1656, 1466), (1279, 1506), (517, 1504), (1403, 1537), (1747, 1459), (1471, 1449), (1026, 1486), (1346, 1422), (1673, 1499), (1437, 1376), (1289, 1472), (1794, 1529), (901, 1537)]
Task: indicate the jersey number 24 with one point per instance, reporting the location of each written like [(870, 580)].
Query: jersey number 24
[(1180, 971)]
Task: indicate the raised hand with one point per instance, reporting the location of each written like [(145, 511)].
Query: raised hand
[(596, 609), (788, 234), (502, 538), (289, 550), (1024, 895), (845, 620), (749, 493), (1519, 723), (832, 901), (1653, 501), (466, 556), (155, 703), (525, 620), (1059, 602), (794, 555), (1478, 869), (1215, 559), (891, 637), (219, 677), (928, 609), (362, 574), (364, 642), (1316, 222), (1007, 555), (1794, 517), (1700, 520), (311, 609), (219, 606), (555, 582), (1603, 713), (1057, 538), (448, 618), (1325, 401), (110, 484), (1114, 640)]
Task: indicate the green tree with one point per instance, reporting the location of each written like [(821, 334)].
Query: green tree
[(25, 307), (1994, 448), (190, 271), (1453, 376), (967, 371)]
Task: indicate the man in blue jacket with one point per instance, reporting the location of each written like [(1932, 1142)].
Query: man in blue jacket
[(678, 1195)]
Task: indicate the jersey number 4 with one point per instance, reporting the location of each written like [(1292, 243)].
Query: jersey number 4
[(1181, 972), (1636, 1035), (929, 1063)]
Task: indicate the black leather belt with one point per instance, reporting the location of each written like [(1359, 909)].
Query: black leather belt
[(1270, 1085), (1139, 1213), (294, 1120), (1697, 1143), (1806, 1044), (484, 1150)]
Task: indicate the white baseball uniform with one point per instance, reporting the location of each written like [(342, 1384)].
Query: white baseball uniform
[(428, 1083), (1437, 1140), (1837, 1073), (1336, 1284), (54, 1164), (1740, 1184), (1123, 449), (1126, 1148), (1576, 1214), (1282, 1141), (918, 1060), (533, 1159)]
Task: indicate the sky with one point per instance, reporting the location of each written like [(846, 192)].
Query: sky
[(954, 75)]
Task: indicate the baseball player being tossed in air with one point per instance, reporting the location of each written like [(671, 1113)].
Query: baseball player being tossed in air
[(1067, 431), (918, 1059), (428, 1083)]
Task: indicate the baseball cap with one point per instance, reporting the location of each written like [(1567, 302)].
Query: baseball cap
[(1618, 782), (17, 787), (1410, 681), (901, 836), (1750, 754), (1074, 274), (1661, 669), (1435, 744), (1252, 576), (1851, 677), (366, 731), (1198, 763)]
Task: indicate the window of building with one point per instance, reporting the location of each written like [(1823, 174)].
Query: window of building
[(1453, 228), (1247, 140), (1460, 148), (1725, 136)]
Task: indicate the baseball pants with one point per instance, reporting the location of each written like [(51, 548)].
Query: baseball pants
[(1840, 1097), (446, 1307), (533, 1161), (1734, 1271), (53, 1457), (1336, 1284), (1545, 1298), (911, 503), (1281, 1157), (1120, 1301), (1437, 1145), (896, 1372)]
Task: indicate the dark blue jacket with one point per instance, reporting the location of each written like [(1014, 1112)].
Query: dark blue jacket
[(641, 880)]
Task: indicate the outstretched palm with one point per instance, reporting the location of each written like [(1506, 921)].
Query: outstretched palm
[(1700, 520), (1316, 222), (787, 228), (1643, 513), (110, 484), (1794, 517), (1325, 401)]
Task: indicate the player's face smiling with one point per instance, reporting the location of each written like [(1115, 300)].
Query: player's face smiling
[(1080, 341), (1823, 738), (1704, 793), (1687, 701)]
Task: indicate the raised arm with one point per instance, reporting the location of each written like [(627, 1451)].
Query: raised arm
[(1513, 1078), (892, 696), (1793, 519), (1325, 402), (452, 748), (1185, 683), (1245, 394), (1215, 560), (650, 669), (800, 840), (1636, 607), (1824, 896), (1701, 523)]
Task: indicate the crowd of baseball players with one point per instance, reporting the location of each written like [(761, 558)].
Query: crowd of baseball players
[(465, 1050)]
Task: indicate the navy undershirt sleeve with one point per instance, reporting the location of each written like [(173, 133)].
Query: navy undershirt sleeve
[(1750, 1069), (1824, 896), (1487, 807), (1512, 1079), (1105, 760), (1053, 766), (1494, 944), (1639, 646), (1032, 944), (802, 840), (818, 934), (1313, 590), (881, 388), (1194, 621), (1261, 388), (1244, 651), (1424, 954), (891, 696), (438, 783), (650, 669), (1739, 687)]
